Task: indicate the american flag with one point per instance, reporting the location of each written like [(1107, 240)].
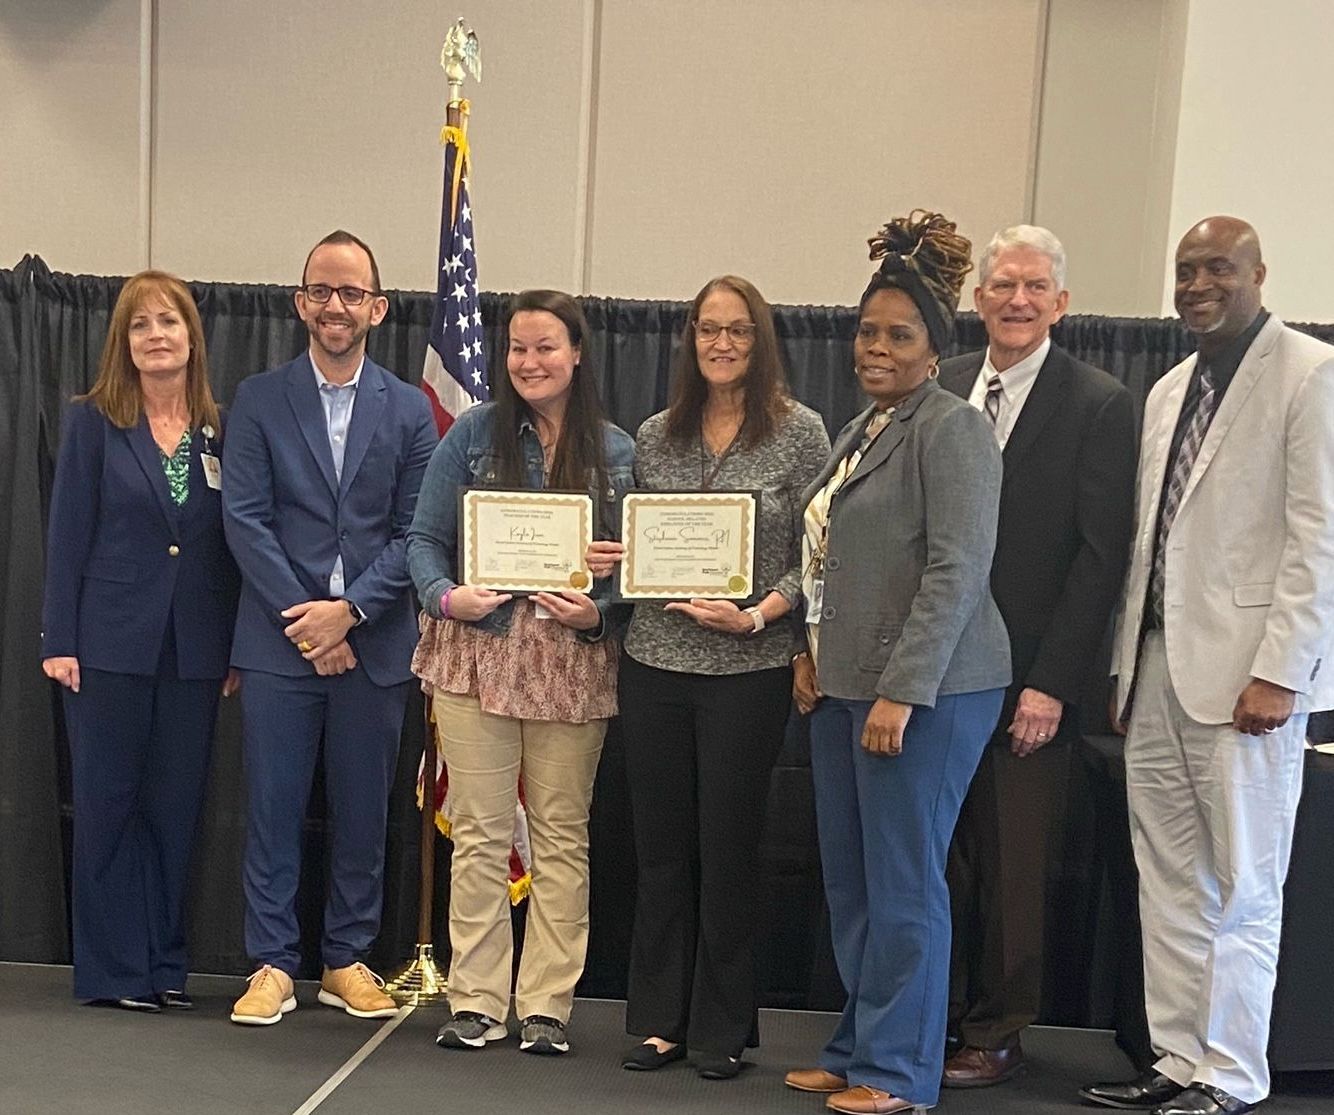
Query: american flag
[(454, 377)]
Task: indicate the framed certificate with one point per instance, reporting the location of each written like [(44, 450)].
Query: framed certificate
[(680, 545), (525, 541)]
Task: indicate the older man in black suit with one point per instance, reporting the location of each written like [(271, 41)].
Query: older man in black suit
[(1067, 434)]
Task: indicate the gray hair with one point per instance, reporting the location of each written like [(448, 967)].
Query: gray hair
[(1025, 236)]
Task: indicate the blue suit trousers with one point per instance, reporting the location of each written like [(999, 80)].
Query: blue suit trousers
[(139, 751), (285, 719)]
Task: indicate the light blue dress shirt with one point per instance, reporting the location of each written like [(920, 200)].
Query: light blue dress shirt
[(337, 400)]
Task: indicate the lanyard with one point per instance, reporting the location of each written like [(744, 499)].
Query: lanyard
[(874, 427)]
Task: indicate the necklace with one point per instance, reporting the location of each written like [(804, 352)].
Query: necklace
[(708, 475)]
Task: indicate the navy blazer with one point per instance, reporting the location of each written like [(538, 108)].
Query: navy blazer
[(288, 517), (122, 557)]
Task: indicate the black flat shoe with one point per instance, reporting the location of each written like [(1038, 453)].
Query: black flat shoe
[(1204, 1099), (143, 1004), (711, 1066), (646, 1058), (176, 1000), (1146, 1091)]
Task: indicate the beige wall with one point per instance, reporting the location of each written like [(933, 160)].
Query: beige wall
[(69, 134), (1107, 146), (635, 147), (776, 138), (622, 147), (280, 122), (1253, 141)]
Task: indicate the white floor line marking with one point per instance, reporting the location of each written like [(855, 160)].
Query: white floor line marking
[(349, 1066)]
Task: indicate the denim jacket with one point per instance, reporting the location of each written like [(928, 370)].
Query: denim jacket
[(464, 458)]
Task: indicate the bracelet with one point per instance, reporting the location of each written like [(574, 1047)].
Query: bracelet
[(444, 603), (756, 618)]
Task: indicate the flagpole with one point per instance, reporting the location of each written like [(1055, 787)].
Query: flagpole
[(421, 982)]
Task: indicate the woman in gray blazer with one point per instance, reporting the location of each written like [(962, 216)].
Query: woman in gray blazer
[(905, 669)]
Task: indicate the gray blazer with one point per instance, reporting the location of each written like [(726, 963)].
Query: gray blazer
[(908, 613)]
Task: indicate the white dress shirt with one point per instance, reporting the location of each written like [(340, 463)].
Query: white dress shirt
[(1016, 383)]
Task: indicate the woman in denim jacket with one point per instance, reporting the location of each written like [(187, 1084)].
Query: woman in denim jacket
[(519, 691)]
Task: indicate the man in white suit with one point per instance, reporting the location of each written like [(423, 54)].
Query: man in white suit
[(1224, 629)]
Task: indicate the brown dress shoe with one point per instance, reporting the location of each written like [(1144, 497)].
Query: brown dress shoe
[(980, 1068), (814, 1080), (865, 1100)]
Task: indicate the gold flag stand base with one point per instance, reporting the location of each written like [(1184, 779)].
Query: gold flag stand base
[(421, 982)]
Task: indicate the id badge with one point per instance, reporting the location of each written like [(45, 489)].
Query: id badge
[(212, 470), (815, 603), (540, 612)]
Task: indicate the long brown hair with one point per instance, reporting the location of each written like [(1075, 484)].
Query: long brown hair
[(116, 392), (767, 397), (579, 460)]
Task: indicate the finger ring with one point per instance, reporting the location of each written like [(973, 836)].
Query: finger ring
[(305, 646), (1042, 735)]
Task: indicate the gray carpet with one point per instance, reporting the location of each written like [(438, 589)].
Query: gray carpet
[(58, 1056)]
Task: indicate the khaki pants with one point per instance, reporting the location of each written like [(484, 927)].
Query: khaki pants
[(486, 755)]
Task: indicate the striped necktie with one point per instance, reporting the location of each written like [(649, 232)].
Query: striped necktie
[(1177, 480), (993, 400)]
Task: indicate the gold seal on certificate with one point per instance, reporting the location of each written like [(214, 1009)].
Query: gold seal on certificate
[(680, 545), (525, 541)]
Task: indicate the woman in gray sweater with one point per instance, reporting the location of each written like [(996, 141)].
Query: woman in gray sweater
[(705, 689)]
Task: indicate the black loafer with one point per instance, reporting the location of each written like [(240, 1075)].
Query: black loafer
[(145, 1004), (1204, 1099), (712, 1066), (1146, 1091), (176, 1000), (645, 1057)]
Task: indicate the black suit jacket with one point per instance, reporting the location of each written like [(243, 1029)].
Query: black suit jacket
[(1066, 515)]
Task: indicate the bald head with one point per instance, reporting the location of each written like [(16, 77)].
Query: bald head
[(1219, 273)]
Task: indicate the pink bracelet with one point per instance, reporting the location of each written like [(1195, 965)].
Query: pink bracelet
[(444, 603)]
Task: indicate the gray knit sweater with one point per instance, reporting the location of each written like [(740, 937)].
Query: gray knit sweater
[(780, 468)]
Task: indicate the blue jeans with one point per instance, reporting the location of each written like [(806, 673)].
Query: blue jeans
[(885, 825)]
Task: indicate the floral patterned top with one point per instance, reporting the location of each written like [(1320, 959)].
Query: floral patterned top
[(177, 468), (537, 670)]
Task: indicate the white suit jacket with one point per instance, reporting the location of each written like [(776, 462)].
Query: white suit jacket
[(1250, 556)]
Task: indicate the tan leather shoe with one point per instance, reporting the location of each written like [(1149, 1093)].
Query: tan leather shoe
[(980, 1068), (357, 990), (271, 995), (814, 1080), (865, 1100)]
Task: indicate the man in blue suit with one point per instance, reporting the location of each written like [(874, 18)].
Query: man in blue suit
[(323, 460)]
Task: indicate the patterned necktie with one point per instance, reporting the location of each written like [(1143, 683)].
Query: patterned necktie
[(1176, 487), (993, 400)]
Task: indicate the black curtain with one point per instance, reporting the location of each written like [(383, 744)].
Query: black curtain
[(51, 331)]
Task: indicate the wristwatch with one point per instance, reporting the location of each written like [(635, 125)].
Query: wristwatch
[(358, 616), (756, 617)]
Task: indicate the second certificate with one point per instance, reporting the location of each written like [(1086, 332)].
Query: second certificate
[(525, 541), (680, 545)]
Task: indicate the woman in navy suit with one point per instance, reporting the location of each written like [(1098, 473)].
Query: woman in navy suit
[(137, 623)]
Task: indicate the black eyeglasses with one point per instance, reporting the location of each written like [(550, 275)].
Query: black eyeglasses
[(348, 295)]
